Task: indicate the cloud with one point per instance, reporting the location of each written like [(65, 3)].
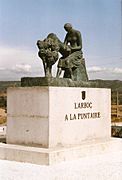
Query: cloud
[(95, 69), (16, 62), (117, 70), (2, 68), (10, 56), (22, 68), (97, 72)]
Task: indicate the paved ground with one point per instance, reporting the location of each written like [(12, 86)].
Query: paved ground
[(99, 167)]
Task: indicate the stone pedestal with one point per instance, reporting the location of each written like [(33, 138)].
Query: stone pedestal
[(47, 125), (50, 117)]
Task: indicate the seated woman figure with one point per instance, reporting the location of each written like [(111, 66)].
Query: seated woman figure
[(74, 58)]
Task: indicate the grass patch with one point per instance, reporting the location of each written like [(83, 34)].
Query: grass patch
[(3, 120)]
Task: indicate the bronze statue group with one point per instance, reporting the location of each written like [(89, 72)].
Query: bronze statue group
[(71, 61)]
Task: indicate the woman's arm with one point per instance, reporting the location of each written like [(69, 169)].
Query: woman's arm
[(79, 39), (66, 39)]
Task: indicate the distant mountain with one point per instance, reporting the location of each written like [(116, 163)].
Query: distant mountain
[(114, 85), (5, 84)]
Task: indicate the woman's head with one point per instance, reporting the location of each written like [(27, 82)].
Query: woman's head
[(68, 27)]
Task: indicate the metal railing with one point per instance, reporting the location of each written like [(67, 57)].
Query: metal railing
[(116, 110), (116, 104)]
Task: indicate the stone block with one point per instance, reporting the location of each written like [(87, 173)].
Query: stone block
[(49, 117)]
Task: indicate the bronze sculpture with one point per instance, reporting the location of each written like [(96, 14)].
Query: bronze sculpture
[(72, 61), (48, 52)]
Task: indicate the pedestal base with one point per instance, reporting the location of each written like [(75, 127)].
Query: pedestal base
[(50, 156), (47, 125)]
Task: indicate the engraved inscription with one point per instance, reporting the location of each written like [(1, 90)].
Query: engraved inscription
[(83, 115)]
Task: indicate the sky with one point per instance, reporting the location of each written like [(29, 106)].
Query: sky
[(23, 22)]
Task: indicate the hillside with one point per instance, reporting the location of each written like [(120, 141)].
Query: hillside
[(5, 84), (3, 91), (114, 85)]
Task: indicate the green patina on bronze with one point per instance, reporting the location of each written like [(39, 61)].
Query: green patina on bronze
[(71, 61), (50, 81)]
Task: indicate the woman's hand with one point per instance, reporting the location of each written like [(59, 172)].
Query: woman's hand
[(67, 48)]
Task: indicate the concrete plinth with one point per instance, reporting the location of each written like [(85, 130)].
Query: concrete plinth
[(50, 117), (44, 156)]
